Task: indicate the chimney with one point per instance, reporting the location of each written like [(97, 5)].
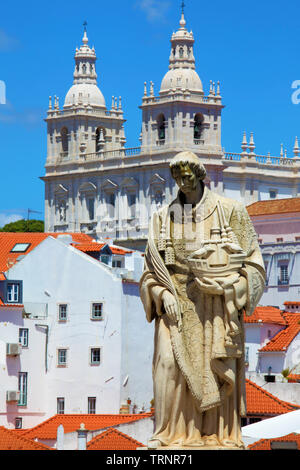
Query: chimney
[(81, 437)]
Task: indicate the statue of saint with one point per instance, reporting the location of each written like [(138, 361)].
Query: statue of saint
[(203, 270)]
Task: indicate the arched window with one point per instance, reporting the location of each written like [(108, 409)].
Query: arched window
[(100, 139), (161, 127), (198, 122), (84, 68), (181, 52), (64, 139)]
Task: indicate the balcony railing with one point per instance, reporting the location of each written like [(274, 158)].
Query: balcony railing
[(36, 310), (283, 282)]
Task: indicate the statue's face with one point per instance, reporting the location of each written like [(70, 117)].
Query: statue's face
[(185, 178)]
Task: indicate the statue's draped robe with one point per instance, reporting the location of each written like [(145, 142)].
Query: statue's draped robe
[(198, 377)]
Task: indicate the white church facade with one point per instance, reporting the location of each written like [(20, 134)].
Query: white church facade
[(94, 184)]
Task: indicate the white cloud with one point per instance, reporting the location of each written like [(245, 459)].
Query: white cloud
[(155, 9), (7, 219)]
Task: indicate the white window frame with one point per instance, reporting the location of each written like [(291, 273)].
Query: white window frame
[(92, 401), (59, 363), (24, 337), (97, 318), (60, 401), (22, 387), (13, 295), (59, 311), (18, 419), (92, 362)]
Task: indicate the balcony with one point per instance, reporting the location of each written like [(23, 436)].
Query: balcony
[(37, 310), (283, 282)]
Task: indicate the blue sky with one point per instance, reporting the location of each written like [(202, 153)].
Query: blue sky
[(252, 47)]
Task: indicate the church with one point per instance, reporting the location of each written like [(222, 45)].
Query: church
[(96, 185)]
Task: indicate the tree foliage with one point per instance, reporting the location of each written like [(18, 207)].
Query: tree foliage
[(24, 225)]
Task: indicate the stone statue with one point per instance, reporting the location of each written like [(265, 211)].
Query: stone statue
[(203, 270)]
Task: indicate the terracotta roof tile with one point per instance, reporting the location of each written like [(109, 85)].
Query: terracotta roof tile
[(88, 247), (9, 239), (294, 378), (48, 429), (113, 439), (266, 315), (265, 444), (283, 338), (2, 304), (10, 440), (261, 402), (274, 206)]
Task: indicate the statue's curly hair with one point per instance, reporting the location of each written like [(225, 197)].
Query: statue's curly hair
[(188, 158)]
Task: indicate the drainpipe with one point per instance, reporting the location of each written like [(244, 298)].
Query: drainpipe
[(46, 345)]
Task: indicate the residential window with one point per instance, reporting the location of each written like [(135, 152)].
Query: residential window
[(95, 356), (272, 193), (22, 387), (60, 406), (13, 292), (97, 311), (62, 357), (91, 405), (117, 263), (23, 337), (62, 312), (279, 240), (247, 354), (18, 423)]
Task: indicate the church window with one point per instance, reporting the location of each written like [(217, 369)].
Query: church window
[(100, 139), (181, 52), (64, 140), (110, 201), (84, 68), (161, 127), (198, 128), (91, 208), (131, 198)]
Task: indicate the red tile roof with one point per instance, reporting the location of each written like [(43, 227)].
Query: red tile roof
[(291, 303), (112, 439), (9, 239), (89, 247), (283, 338), (293, 378), (266, 315), (95, 247), (265, 444), (10, 440), (48, 429), (261, 402), (2, 304), (274, 206)]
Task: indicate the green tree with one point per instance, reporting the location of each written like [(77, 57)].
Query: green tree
[(24, 225)]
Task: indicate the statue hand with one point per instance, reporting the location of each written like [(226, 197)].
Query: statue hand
[(209, 286), (170, 305)]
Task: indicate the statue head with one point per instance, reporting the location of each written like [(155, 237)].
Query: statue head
[(187, 170)]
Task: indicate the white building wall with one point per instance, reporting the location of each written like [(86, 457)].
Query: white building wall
[(31, 360), (137, 350), (54, 272)]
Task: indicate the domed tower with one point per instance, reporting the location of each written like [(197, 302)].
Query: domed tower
[(80, 136), (182, 117)]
